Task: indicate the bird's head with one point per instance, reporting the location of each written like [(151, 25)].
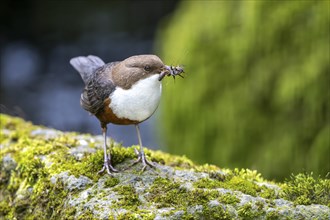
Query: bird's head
[(138, 67)]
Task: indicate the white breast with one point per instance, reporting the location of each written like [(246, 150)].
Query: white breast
[(139, 102)]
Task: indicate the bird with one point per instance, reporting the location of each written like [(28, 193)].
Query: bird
[(123, 92)]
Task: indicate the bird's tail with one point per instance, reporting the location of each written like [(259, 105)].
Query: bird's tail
[(86, 65)]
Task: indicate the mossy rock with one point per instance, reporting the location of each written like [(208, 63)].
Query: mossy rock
[(49, 174)]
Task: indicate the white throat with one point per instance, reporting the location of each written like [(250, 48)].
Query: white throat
[(139, 102)]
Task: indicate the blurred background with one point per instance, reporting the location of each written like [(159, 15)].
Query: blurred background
[(256, 92), (38, 38)]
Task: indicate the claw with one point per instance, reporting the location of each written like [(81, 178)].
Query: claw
[(107, 158), (141, 156), (143, 160), (110, 169)]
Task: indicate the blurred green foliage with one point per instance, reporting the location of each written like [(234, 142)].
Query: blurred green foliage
[(256, 93)]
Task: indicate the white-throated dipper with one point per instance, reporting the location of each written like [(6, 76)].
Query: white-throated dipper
[(123, 93)]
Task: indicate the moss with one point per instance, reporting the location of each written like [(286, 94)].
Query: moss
[(4, 208), (111, 182), (21, 131), (248, 212), (240, 180), (41, 199), (129, 200), (49, 198), (27, 192), (169, 160), (69, 213), (240, 184), (207, 183), (88, 214), (260, 205), (120, 154), (304, 189), (17, 128), (31, 154), (88, 166), (145, 214), (216, 175), (234, 182), (268, 193), (273, 215), (166, 193), (207, 168), (216, 212), (229, 198), (139, 214)]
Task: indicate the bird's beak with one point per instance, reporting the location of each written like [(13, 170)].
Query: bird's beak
[(166, 70)]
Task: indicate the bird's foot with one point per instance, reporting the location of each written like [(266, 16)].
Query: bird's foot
[(109, 168), (142, 158)]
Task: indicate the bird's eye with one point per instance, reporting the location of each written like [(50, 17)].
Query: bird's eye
[(147, 68)]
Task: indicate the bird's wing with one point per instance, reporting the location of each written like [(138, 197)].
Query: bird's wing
[(97, 89)]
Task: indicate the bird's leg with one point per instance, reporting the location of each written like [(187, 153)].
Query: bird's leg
[(141, 156), (107, 158)]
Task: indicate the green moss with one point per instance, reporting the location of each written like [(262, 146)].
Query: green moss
[(48, 198), (304, 189), (129, 199), (38, 158), (145, 214), (111, 182), (88, 166), (166, 193), (169, 160), (21, 131), (207, 168), (207, 183), (88, 214), (69, 213), (16, 128), (32, 170), (240, 184), (268, 193), (273, 215), (247, 212), (120, 154), (235, 182), (216, 175), (139, 214), (32, 178), (4, 208), (216, 212), (240, 180), (228, 198), (260, 205)]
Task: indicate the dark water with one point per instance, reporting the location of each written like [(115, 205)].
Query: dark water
[(38, 38)]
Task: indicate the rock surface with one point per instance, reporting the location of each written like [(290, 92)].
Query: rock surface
[(48, 174)]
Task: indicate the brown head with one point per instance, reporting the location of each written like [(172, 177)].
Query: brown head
[(129, 71)]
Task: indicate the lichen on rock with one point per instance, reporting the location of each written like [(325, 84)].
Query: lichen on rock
[(49, 174)]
